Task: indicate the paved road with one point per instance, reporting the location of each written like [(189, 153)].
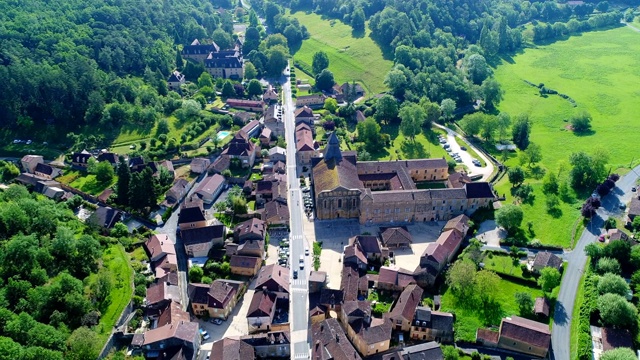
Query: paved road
[(561, 335), (631, 26), (485, 171), (299, 290), (169, 228)]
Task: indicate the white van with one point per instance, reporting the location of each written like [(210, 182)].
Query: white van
[(301, 259)]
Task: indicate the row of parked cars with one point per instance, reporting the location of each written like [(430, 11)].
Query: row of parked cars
[(308, 201), (456, 156), (283, 252)]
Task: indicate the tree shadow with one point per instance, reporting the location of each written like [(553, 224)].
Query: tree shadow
[(584, 133), (560, 314), (391, 129), (537, 172), (555, 213), (358, 34), (413, 150), (491, 313), (388, 52)]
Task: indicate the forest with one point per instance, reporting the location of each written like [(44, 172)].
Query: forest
[(444, 49), (65, 61), (56, 284)]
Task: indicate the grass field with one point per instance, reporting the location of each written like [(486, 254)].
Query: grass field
[(350, 58), (85, 182), (117, 261), (600, 71), (470, 317)]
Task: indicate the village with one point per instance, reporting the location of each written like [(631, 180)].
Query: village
[(280, 225)]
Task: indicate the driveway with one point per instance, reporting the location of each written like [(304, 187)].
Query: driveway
[(422, 233), (490, 233), (561, 335), (334, 235), (485, 171)]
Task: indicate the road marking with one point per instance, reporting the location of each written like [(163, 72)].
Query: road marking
[(301, 356)]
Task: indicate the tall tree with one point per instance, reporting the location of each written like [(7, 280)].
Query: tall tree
[(254, 88), (179, 60), (124, 179), (412, 117), (503, 123), (549, 278), (250, 72), (448, 107), (227, 90), (369, 133), (509, 217), (357, 19), (503, 35), (461, 278), (525, 303), (491, 93), (520, 131), (320, 62), (325, 80), (386, 109)]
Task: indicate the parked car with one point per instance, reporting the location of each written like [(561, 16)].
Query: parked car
[(463, 148), (295, 274), (601, 238), (633, 189), (216, 321), (204, 334)]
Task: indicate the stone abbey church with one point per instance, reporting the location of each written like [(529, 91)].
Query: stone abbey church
[(386, 191)]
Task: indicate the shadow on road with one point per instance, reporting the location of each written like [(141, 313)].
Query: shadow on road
[(560, 314)]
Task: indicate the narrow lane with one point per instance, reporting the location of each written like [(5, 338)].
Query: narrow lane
[(577, 259)]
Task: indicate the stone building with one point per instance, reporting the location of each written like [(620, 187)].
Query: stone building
[(386, 191)]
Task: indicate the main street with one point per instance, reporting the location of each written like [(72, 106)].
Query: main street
[(577, 260), (299, 291)]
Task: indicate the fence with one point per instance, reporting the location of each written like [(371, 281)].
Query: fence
[(111, 341)]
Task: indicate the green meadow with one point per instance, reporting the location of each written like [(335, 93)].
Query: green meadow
[(350, 58), (600, 71)]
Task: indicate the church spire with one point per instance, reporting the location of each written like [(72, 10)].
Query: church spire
[(332, 150)]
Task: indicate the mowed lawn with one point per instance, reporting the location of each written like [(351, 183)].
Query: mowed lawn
[(116, 261), (470, 317), (600, 71), (350, 58)]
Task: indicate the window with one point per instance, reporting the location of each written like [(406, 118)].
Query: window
[(397, 210), (407, 209), (376, 211), (339, 203)]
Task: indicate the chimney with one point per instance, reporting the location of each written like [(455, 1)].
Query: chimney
[(279, 273), (337, 338)]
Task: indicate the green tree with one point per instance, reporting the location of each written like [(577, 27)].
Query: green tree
[(520, 131), (509, 217), (396, 81), (222, 39), (325, 80), (104, 172), (617, 311), (516, 176), (9, 349), (432, 110), (195, 274), (205, 79), (587, 171), (533, 153), (612, 284), (550, 183), (82, 344), (472, 124), (581, 122), (552, 203), (412, 117), (250, 71), (254, 88), (486, 284), (488, 40), (450, 352), (357, 19), (491, 93), (525, 303), (489, 126), (477, 68), (227, 90), (320, 62), (179, 61), (607, 265), (448, 107), (503, 122), (621, 353), (461, 278), (331, 105), (277, 60), (119, 230), (549, 278), (369, 134), (386, 109)]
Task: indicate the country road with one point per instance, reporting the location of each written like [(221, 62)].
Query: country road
[(561, 335)]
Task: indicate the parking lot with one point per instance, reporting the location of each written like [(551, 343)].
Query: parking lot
[(422, 234), (278, 249), (334, 235)]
